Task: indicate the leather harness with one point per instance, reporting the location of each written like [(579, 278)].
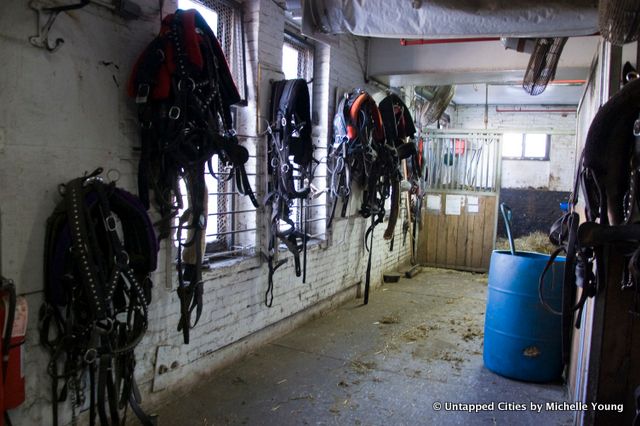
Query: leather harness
[(100, 248), (398, 127), (362, 152), (608, 177), (291, 168), (185, 90)]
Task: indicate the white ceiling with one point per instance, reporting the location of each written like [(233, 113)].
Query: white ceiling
[(554, 94)]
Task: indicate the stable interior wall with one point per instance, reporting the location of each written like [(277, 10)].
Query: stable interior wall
[(532, 188), (66, 113), (605, 367)]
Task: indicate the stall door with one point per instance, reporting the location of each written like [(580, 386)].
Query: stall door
[(460, 207)]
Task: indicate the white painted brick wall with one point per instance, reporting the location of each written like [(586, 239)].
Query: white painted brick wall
[(65, 113), (556, 174)]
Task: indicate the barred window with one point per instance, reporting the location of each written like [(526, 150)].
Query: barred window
[(231, 217), (297, 58)]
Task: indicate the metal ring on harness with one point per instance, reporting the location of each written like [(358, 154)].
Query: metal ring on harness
[(90, 355), (174, 112), (191, 82), (121, 259)]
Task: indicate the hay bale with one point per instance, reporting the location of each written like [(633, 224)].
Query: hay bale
[(536, 241)]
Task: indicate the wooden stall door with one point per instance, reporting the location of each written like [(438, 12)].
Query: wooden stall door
[(463, 241)]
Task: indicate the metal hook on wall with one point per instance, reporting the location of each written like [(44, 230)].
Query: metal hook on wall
[(42, 39)]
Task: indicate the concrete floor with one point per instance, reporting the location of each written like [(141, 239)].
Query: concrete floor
[(418, 342)]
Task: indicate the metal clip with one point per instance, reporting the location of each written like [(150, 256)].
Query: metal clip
[(174, 112), (143, 93), (636, 127)]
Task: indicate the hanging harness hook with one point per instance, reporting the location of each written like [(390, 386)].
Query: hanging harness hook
[(42, 39)]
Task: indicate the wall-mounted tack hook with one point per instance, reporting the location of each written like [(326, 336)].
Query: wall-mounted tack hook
[(46, 18)]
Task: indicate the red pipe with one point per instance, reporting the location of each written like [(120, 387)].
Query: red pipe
[(564, 111), (405, 42)]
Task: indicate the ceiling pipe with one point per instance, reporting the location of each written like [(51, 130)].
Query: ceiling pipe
[(558, 111), (405, 42)]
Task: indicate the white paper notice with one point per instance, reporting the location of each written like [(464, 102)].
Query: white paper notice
[(453, 205), (433, 202), (473, 204)]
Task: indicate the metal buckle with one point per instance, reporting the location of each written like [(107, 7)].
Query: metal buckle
[(636, 127), (110, 222), (143, 93), (174, 112)]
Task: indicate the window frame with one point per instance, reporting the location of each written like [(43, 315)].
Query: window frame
[(523, 142)]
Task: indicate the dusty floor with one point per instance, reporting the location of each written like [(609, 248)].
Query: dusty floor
[(417, 343)]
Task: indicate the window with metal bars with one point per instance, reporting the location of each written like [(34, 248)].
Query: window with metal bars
[(297, 62), (231, 217), (297, 57)]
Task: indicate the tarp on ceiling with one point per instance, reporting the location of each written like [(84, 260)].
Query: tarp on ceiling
[(454, 18)]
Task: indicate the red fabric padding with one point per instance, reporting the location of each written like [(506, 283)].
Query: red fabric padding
[(191, 38)]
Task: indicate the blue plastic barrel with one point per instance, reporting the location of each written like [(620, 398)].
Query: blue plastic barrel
[(522, 339)]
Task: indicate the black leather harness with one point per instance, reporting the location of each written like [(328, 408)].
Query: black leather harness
[(608, 177), (291, 168), (185, 91), (100, 248), (362, 152)]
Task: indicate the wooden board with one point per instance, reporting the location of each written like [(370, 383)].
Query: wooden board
[(462, 241)]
